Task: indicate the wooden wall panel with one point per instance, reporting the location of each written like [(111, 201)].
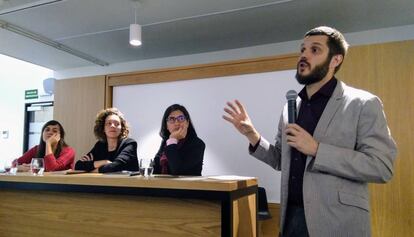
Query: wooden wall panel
[(387, 70), (77, 101), (220, 69)]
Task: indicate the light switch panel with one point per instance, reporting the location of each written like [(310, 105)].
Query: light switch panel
[(5, 134)]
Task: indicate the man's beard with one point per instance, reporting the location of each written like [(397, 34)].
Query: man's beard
[(316, 75)]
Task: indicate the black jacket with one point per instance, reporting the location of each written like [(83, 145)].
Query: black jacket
[(184, 159), (123, 158)]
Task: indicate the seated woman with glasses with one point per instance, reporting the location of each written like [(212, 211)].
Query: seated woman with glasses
[(181, 151), (52, 148), (114, 151)]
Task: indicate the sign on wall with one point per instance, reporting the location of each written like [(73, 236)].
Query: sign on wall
[(31, 94)]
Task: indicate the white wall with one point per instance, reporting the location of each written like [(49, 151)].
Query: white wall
[(15, 77), (226, 150)]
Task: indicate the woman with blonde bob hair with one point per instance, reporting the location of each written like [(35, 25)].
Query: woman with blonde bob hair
[(114, 151)]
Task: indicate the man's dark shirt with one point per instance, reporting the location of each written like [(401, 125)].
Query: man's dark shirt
[(309, 114)]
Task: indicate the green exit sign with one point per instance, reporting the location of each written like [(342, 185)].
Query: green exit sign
[(31, 94)]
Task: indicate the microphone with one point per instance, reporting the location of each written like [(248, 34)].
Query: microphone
[(291, 96)]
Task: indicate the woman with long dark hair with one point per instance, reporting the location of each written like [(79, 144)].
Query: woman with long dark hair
[(114, 151), (52, 148), (181, 151)]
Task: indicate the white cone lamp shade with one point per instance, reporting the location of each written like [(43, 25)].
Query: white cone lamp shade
[(135, 35)]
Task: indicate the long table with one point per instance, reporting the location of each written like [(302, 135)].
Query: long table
[(57, 204)]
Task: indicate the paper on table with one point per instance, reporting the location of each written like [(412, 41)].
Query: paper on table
[(191, 178), (230, 177), (167, 176), (69, 171), (75, 172), (123, 172)]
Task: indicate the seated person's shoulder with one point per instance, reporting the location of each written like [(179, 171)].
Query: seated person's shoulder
[(100, 143), (199, 142), (129, 140), (69, 148), (127, 143)]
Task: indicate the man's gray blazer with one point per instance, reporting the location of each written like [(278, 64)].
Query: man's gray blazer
[(355, 148)]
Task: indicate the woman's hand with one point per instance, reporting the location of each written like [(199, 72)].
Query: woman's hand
[(88, 157), (181, 132), (53, 140), (100, 163), (23, 168)]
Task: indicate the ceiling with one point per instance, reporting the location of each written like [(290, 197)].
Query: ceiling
[(99, 28)]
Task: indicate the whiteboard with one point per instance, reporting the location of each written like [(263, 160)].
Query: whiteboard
[(263, 94)]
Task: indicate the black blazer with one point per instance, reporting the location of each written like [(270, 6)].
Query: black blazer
[(186, 159), (123, 158)]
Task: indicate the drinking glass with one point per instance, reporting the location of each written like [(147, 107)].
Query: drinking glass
[(146, 167), (150, 168), (7, 169), (37, 166), (12, 168)]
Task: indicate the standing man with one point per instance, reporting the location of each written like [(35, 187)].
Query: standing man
[(339, 143)]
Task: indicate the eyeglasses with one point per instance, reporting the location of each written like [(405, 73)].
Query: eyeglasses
[(180, 119)]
